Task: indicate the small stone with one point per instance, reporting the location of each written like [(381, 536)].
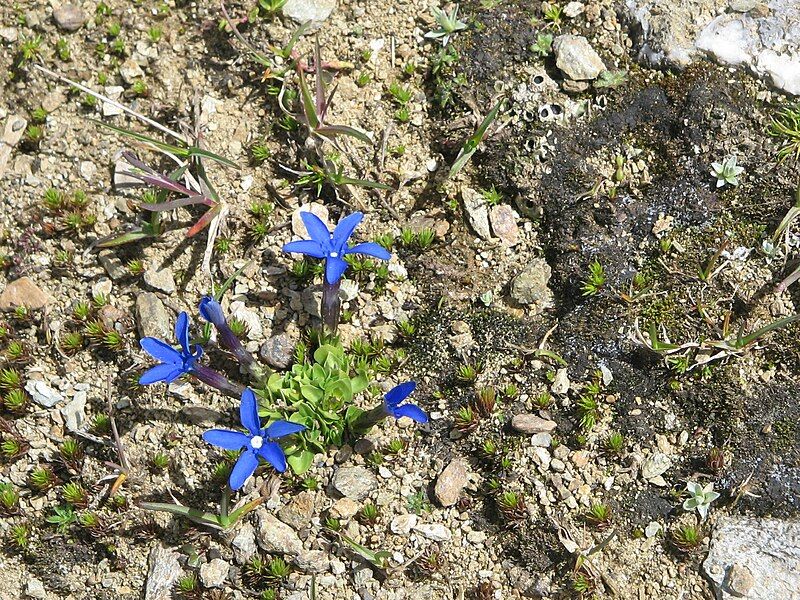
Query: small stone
[(403, 524), (244, 544), (214, 573), (530, 286), (278, 350), (275, 536), (580, 458), (560, 383), (73, 412), (313, 561), (527, 423), (69, 17), (504, 224), (88, 170), (450, 483), (298, 227), (542, 440), (656, 465), (9, 34), (151, 316), (558, 465), (477, 212), (35, 589), (344, 508), (42, 393), (576, 58), (573, 9), (652, 529), (543, 456), (743, 6), (355, 483), (160, 279), (434, 531), (12, 133), (164, 571), (114, 92), (23, 292), (130, 71), (298, 512), (315, 11), (364, 447), (113, 265)]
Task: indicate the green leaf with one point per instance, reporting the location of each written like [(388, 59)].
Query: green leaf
[(359, 383), (300, 462), (123, 238), (471, 145), (312, 393), (193, 514)]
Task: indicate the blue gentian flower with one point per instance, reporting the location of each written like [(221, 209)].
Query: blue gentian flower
[(174, 363), (333, 246), (393, 407), (211, 311), (257, 442)]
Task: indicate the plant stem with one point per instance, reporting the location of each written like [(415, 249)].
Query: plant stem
[(368, 419), (331, 306), (223, 506), (218, 381)]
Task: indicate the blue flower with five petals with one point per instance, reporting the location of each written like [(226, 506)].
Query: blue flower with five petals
[(333, 247), (393, 406), (174, 363), (257, 442)]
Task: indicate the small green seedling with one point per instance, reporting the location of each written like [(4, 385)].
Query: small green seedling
[(471, 145), (727, 172), (448, 25)]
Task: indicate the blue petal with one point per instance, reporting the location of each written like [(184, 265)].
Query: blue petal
[(243, 469), (280, 429), (399, 393), (211, 311), (248, 412), (273, 454), (182, 332), (412, 411), (224, 438), (317, 230), (308, 247), (370, 249), (163, 372), (334, 268), (161, 351), (344, 229)]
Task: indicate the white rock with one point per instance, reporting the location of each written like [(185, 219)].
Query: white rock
[(114, 92), (315, 11), (35, 589), (560, 383), (403, 524), (434, 531), (656, 465), (214, 573), (73, 412), (42, 393), (755, 558)]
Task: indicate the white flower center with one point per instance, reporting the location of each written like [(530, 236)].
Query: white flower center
[(256, 442), (334, 254)]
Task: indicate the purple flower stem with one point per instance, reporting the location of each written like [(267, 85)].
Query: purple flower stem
[(368, 419), (331, 306), (218, 381), (229, 341)]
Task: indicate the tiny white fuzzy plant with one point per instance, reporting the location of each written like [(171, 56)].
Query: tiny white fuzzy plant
[(727, 171), (700, 498)]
